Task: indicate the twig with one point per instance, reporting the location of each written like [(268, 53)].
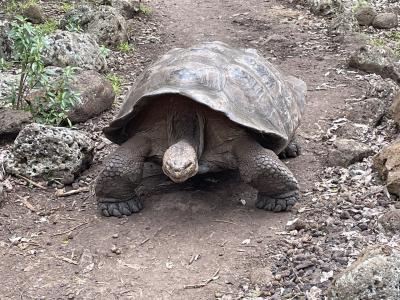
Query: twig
[(63, 193), (200, 285), (31, 181), (25, 201), (70, 230), (144, 241), (228, 222), (66, 259)]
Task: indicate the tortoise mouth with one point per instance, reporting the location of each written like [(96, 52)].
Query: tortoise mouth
[(179, 175)]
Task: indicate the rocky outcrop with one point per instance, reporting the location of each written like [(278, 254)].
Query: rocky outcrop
[(5, 41), (34, 14), (385, 21), (390, 222), (376, 59), (12, 122), (8, 82), (73, 49), (395, 109), (387, 162), (104, 23), (374, 275), (347, 152), (96, 94), (365, 15), (49, 152)]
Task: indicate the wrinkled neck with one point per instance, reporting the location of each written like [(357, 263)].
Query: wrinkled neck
[(186, 128)]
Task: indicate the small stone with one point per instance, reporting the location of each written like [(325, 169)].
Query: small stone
[(385, 21), (261, 276), (363, 226), (365, 15), (115, 235), (34, 14), (345, 215), (380, 60), (12, 121), (387, 162), (395, 109), (390, 222), (116, 250), (347, 152), (86, 262)]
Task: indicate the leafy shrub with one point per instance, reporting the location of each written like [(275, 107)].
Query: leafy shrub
[(53, 104), (115, 81)]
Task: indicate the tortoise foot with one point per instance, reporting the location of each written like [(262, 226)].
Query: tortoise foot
[(280, 202), (291, 150), (114, 208)]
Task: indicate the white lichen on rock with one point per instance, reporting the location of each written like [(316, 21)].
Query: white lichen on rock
[(49, 152)]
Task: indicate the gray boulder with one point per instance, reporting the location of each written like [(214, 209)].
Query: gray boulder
[(367, 111), (395, 109), (390, 222), (34, 14), (5, 41), (387, 162), (12, 122), (375, 275), (347, 152), (50, 153), (365, 15), (73, 49), (127, 8), (378, 60), (94, 91), (385, 21), (8, 84), (96, 94), (104, 23)]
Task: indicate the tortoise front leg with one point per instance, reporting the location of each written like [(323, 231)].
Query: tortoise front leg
[(122, 173), (277, 187)]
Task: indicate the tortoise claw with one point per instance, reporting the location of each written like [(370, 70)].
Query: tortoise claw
[(119, 208)]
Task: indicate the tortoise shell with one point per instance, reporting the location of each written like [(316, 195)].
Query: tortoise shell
[(240, 83)]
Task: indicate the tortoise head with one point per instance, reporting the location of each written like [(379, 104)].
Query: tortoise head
[(185, 139), (180, 161)]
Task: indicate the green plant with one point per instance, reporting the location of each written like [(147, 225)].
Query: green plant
[(115, 81), (48, 27), (14, 6), (4, 65), (125, 47), (359, 4), (28, 43), (378, 42), (395, 36), (73, 25), (144, 9), (66, 7), (104, 51), (55, 96), (58, 98)]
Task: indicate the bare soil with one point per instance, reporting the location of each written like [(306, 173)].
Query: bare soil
[(62, 248)]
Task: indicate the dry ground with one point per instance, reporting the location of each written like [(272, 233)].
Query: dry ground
[(69, 251)]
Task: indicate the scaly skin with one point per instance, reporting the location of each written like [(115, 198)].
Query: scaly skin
[(277, 187), (122, 173)]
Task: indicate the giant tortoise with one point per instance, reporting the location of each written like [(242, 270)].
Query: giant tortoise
[(205, 109)]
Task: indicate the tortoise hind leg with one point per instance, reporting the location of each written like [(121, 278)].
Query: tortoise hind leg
[(277, 187), (292, 150), (122, 173)]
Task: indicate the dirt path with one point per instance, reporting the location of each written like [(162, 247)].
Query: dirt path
[(148, 255)]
